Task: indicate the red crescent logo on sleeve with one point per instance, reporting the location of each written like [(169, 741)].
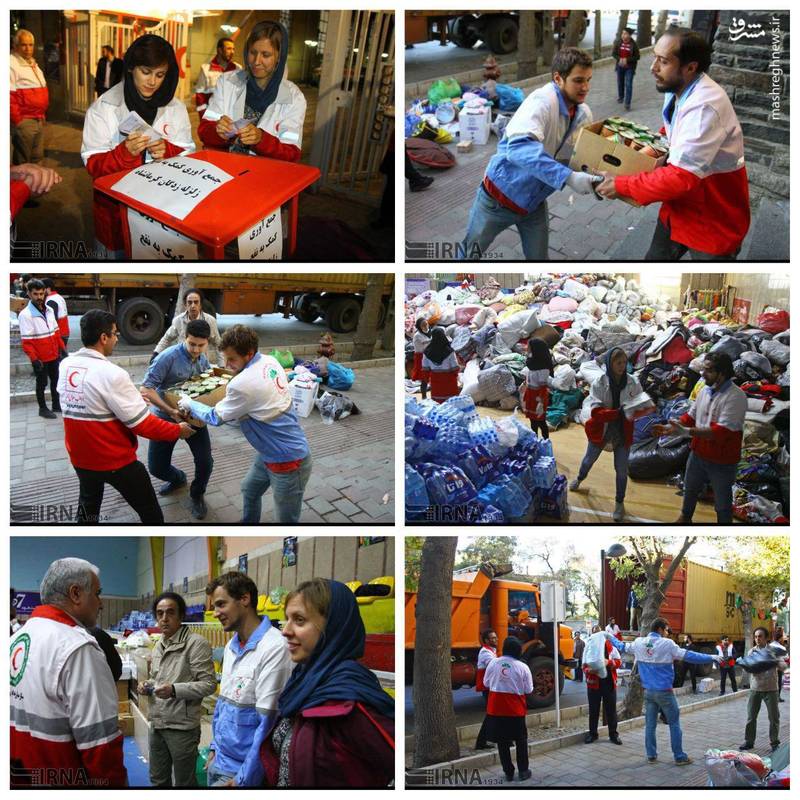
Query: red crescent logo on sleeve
[(279, 383), (165, 129)]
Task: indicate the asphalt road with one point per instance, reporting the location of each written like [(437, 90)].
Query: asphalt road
[(431, 60)]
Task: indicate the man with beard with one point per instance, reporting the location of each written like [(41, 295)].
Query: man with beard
[(530, 161), (702, 187), (176, 333)]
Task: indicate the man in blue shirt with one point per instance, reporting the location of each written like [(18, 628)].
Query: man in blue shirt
[(259, 401), (654, 654), (175, 365)]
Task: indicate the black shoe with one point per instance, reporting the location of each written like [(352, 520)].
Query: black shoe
[(57, 408), (525, 774), (199, 508), (169, 488), (652, 759), (420, 184), (615, 739), (775, 746), (746, 746), (781, 700), (590, 737), (721, 693), (627, 108), (619, 99), (45, 412), (509, 776)]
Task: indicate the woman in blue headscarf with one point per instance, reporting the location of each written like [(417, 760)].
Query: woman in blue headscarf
[(255, 110), (335, 725)]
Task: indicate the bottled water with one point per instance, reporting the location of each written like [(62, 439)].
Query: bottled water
[(417, 500)]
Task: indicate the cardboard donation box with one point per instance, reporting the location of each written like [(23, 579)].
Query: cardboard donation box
[(304, 392), (207, 388), (596, 152), (474, 124)]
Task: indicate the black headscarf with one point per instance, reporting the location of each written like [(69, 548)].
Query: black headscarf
[(539, 356), (616, 386), (439, 348), (260, 99), (147, 109)]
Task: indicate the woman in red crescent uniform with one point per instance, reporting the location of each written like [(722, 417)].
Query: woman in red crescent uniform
[(486, 655), (509, 680)]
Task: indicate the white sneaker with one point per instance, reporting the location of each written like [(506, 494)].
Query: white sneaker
[(574, 485), (619, 512)]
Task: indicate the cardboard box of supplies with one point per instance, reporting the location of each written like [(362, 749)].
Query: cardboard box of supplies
[(595, 153), (474, 124), (123, 688), (126, 724), (304, 393), (171, 396)]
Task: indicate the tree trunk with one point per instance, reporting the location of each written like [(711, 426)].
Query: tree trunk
[(574, 26), (598, 34), (188, 281), (435, 738), (527, 47), (547, 38), (644, 29), (661, 23), (387, 340), (623, 23), (367, 332), (746, 611)]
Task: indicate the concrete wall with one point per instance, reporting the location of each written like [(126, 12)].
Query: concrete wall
[(337, 557)]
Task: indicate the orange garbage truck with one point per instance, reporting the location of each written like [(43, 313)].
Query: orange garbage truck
[(481, 599)]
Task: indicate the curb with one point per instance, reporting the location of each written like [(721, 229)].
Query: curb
[(30, 397), (419, 89), (489, 759)]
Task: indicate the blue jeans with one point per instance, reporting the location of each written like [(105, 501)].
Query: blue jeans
[(662, 701), (698, 473), (620, 466), (216, 779), (159, 461), (287, 491), (625, 84), (488, 219)]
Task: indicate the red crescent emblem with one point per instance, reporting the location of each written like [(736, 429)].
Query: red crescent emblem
[(69, 379), (165, 129), (279, 384), (179, 58), (14, 658)]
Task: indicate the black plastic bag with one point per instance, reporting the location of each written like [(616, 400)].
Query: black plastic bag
[(763, 659), (334, 406), (649, 459)]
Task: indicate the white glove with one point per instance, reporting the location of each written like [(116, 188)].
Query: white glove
[(184, 403), (582, 182)]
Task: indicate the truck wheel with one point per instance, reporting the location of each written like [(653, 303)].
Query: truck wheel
[(460, 32), (582, 32), (342, 315), (502, 34), (543, 694), (140, 320), (302, 309)]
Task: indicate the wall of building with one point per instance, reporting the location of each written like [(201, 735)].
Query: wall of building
[(761, 289), (754, 71), (116, 557)]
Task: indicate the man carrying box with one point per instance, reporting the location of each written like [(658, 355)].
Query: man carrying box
[(526, 169), (259, 400), (175, 365), (703, 186)]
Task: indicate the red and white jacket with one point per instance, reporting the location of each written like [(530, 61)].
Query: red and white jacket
[(38, 330), (64, 727), (104, 413), (207, 82), (723, 411), (614, 663), (103, 151), (29, 96), (60, 310), (281, 123), (508, 681), (703, 187), (727, 655), (485, 656)]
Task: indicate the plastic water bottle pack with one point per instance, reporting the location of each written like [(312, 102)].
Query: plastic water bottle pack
[(447, 486), (417, 501), (482, 431), (544, 472), (479, 465)]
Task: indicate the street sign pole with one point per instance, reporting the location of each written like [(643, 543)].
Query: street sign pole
[(554, 610), (556, 670)]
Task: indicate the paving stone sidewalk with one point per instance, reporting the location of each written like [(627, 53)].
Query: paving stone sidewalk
[(581, 226), (602, 764), (352, 481)]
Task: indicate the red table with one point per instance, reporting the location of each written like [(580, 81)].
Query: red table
[(260, 186)]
